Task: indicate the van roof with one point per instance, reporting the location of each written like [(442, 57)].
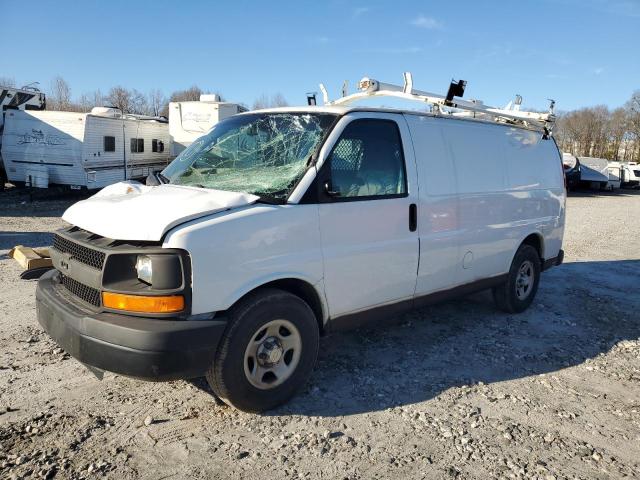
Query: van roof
[(345, 109)]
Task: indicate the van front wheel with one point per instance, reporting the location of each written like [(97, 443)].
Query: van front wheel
[(267, 353), (517, 293)]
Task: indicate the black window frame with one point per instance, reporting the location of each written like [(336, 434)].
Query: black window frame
[(112, 143), (324, 174), (154, 145), (136, 145)]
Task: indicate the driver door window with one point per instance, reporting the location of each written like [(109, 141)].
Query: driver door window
[(368, 162)]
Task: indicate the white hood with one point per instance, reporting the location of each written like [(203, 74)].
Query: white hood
[(132, 211)]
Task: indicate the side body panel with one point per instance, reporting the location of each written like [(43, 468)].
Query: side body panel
[(510, 185), (236, 251), (438, 216)]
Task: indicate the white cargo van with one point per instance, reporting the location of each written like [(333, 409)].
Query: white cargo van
[(281, 225)]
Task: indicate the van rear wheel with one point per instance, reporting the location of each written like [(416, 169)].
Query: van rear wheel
[(267, 353), (517, 293)]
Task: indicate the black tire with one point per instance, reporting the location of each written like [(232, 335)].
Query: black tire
[(227, 376), (506, 296)]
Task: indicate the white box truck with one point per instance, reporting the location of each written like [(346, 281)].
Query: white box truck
[(283, 224), (82, 150)]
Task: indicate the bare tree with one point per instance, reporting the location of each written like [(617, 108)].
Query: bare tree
[(85, 103), (60, 96), (156, 102), (189, 95), (7, 81), (264, 101)]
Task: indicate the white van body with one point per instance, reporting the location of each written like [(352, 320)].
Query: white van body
[(481, 190), (89, 150), (190, 120), (283, 224)]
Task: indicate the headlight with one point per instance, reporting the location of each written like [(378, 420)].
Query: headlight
[(144, 268)]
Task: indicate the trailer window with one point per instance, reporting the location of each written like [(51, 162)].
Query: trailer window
[(157, 145), (109, 144), (137, 145)]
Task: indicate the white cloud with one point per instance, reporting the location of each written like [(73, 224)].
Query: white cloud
[(322, 40), (429, 23), (598, 70), (360, 11)]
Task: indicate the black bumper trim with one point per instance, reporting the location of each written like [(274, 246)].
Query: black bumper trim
[(147, 348), (553, 262)]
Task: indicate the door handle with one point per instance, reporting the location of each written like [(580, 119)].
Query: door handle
[(413, 217)]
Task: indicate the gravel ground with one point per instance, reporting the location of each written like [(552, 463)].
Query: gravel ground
[(457, 390)]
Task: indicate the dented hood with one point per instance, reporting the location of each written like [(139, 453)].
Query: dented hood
[(132, 211)]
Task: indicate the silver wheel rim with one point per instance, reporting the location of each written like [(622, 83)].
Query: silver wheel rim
[(273, 354), (524, 280)]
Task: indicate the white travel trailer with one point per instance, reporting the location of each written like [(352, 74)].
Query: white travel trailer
[(282, 224), (11, 98), (82, 150), (189, 121), (629, 173)]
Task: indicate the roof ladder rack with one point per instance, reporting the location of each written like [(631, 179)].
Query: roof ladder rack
[(450, 104)]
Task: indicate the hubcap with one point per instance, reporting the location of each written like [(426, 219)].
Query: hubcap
[(272, 354), (524, 280)]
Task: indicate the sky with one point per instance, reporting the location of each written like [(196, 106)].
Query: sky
[(578, 52)]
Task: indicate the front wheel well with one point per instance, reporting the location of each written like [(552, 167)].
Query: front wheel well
[(301, 289)]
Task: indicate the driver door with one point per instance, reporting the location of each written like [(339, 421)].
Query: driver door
[(368, 215)]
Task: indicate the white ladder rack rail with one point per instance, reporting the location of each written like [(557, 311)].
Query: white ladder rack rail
[(373, 88)]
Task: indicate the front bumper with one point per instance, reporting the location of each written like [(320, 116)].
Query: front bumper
[(147, 348)]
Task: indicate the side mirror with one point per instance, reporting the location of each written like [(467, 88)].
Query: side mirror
[(152, 180)]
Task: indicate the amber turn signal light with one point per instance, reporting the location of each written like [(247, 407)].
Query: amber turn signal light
[(143, 304)]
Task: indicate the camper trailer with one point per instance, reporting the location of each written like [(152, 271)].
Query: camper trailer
[(17, 99), (629, 173), (82, 150), (594, 172), (191, 120)]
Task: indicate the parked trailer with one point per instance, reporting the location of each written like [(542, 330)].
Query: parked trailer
[(188, 121), (629, 173), (571, 170), (17, 99), (82, 150), (594, 172)]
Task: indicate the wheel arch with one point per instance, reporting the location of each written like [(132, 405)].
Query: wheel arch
[(302, 288), (536, 240)]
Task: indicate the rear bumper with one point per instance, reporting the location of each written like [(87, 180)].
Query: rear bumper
[(147, 348), (553, 262)]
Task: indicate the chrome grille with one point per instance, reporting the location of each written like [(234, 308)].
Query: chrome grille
[(86, 255), (80, 290)]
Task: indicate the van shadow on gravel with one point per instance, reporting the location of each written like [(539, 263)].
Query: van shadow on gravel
[(582, 309)]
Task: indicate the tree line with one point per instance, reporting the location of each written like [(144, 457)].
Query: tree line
[(601, 132), (131, 100)]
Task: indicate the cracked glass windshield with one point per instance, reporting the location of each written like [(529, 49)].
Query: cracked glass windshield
[(263, 153)]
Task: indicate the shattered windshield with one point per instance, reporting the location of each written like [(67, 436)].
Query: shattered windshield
[(263, 153)]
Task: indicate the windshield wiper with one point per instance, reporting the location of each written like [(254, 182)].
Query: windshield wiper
[(270, 200)]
